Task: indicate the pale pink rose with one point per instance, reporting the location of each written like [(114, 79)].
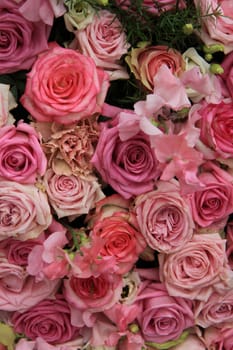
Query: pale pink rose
[(41, 344), (21, 40), (19, 291), (216, 311), (154, 7), (93, 294), (219, 339), (227, 75), (73, 144), (71, 196), (162, 317), (145, 62), (7, 103), (128, 165), (24, 211), (49, 319), (21, 155), (164, 217), (77, 88), (43, 10), (121, 238), (105, 41), (192, 342), (198, 270), (212, 204), (215, 123), (217, 22)]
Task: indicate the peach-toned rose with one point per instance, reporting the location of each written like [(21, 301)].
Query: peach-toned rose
[(144, 63)]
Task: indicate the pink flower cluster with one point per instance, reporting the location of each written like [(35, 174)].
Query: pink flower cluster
[(116, 224)]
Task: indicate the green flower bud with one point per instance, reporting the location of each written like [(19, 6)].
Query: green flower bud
[(216, 68), (213, 48), (188, 28), (134, 328), (208, 57)]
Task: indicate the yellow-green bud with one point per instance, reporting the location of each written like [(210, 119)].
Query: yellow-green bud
[(188, 28), (102, 2), (208, 57), (213, 48), (216, 68), (134, 328)]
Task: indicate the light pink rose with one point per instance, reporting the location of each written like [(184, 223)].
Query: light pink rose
[(155, 8), (50, 319), (215, 123), (21, 40), (217, 22), (144, 62), (43, 10), (216, 311), (162, 317), (77, 88), (219, 339), (128, 165), (7, 103), (71, 196), (24, 211), (192, 342), (164, 217), (93, 294), (105, 41), (197, 270), (19, 291), (21, 155), (212, 205), (41, 344)]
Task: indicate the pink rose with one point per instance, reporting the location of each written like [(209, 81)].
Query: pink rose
[(192, 342), (71, 196), (121, 239), (77, 88), (162, 317), (197, 270), (217, 22), (105, 41), (21, 40), (215, 125), (93, 294), (21, 155), (49, 319), (227, 75), (164, 218), (212, 204), (24, 211), (145, 62), (19, 291), (128, 165), (216, 311), (219, 339), (155, 8)]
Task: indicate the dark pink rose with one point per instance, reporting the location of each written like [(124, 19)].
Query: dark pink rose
[(21, 40), (162, 317), (104, 40), (21, 155), (49, 319), (64, 86), (227, 75), (216, 124), (155, 8), (198, 270), (212, 205), (164, 217), (128, 165)]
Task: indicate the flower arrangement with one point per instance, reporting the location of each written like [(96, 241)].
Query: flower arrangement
[(116, 174)]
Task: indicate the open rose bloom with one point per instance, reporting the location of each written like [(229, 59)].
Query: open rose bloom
[(116, 175)]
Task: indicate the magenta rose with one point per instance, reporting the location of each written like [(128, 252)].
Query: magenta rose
[(199, 269), (212, 205), (162, 317), (24, 211), (227, 75), (217, 22), (21, 155), (49, 319), (105, 41), (154, 7), (128, 165), (64, 86), (164, 218), (216, 311), (216, 126), (71, 196), (19, 291), (21, 40)]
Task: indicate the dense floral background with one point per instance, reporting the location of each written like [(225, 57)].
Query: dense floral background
[(116, 174)]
